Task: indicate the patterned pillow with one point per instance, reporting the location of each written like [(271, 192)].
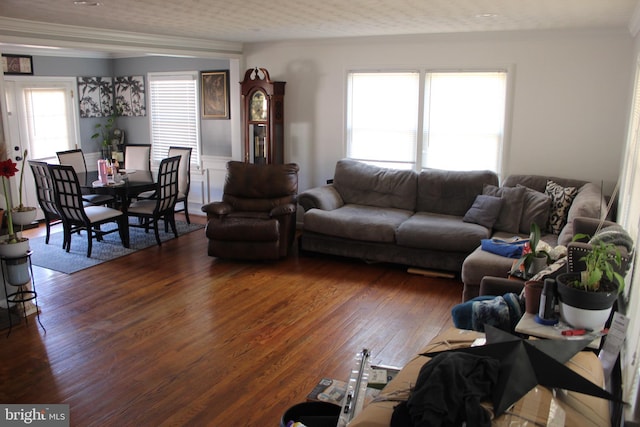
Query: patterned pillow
[(561, 199)]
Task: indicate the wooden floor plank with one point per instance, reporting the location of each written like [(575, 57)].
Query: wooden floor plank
[(171, 336)]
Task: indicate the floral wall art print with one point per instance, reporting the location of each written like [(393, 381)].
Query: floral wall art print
[(95, 96), (130, 96)]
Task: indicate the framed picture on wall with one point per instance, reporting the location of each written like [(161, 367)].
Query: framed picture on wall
[(17, 64), (130, 96), (95, 95), (215, 94)]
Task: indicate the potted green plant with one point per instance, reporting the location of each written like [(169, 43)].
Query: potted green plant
[(533, 258), (586, 297), (103, 135)]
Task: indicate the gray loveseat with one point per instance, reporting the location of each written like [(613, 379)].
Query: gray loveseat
[(421, 219)]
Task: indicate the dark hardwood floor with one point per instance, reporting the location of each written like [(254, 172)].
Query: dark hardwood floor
[(171, 336)]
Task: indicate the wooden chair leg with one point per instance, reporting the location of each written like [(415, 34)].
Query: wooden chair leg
[(157, 232), (186, 212)]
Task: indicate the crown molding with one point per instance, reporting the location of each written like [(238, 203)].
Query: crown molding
[(47, 35)]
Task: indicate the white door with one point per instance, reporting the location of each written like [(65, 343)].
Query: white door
[(41, 115)]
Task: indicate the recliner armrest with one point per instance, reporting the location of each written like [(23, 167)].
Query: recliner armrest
[(326, 198), (280, 210), (216, 209), (498, 286)]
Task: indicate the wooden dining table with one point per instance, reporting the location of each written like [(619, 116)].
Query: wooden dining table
[(133, 183)]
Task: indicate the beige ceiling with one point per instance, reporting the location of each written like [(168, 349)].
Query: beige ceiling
[(269, 20)]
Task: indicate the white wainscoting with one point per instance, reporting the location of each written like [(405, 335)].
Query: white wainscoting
[(207, 183)]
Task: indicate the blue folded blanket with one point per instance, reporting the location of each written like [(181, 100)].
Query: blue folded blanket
[(503, 312), (503, 247)]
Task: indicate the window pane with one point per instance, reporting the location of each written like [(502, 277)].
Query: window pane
[(464, 113), (383, 117), (46, 121)]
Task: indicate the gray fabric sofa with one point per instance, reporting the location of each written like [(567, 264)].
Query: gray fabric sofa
[(420, 219), (397, 216)]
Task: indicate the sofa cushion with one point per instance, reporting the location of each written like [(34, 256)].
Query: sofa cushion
[(362, 184), (484, 211), (450, 192), (512, 204), (357, 222), (443, 232), (561, 199), (535, 209)]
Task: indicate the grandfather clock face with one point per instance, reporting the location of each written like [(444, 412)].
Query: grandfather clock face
[(258, 106)]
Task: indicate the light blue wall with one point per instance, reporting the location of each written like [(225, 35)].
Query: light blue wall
[(215, 134)]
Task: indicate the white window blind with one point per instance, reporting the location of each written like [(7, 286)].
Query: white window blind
[(174, 114), (464, 120), (382, 126)]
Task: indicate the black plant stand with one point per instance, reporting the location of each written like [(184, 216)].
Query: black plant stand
[(17, 283)]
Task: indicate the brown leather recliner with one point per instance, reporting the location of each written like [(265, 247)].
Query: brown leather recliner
[(256, 218)]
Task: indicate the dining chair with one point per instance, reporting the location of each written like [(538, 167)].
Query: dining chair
[(184, 177), (76, 216), (45, 194), (75, 158), (184, 180), (137, 156), (151, 211)]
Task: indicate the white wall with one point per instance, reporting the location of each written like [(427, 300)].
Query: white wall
[(569, 105)]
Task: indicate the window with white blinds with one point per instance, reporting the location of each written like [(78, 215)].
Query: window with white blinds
[(382, 127), (417, 120), (174, 114)]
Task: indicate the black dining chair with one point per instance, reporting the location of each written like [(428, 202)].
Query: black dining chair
[(76, 217), (45, 194), (150, 211), (75, 158), (184, 178)]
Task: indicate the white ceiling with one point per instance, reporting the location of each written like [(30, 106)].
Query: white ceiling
[(269, 20)]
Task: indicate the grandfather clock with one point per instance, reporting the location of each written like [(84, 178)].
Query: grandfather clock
[(262, 117)]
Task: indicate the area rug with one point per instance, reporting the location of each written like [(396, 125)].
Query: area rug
[(53, 257)]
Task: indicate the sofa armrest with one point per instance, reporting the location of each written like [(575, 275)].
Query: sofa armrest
[(589, 203), (497, 286), (326, 198), (588, 226), (216, 209)]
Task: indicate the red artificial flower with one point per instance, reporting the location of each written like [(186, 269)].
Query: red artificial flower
[(8, 168)]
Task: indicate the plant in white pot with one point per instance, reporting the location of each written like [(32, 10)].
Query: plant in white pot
[(13, 245), (587, 297), (21, 214)]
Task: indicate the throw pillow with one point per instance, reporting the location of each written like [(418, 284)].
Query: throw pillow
[(484, 211), (536, 209), (561, 199), (511, 210)]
